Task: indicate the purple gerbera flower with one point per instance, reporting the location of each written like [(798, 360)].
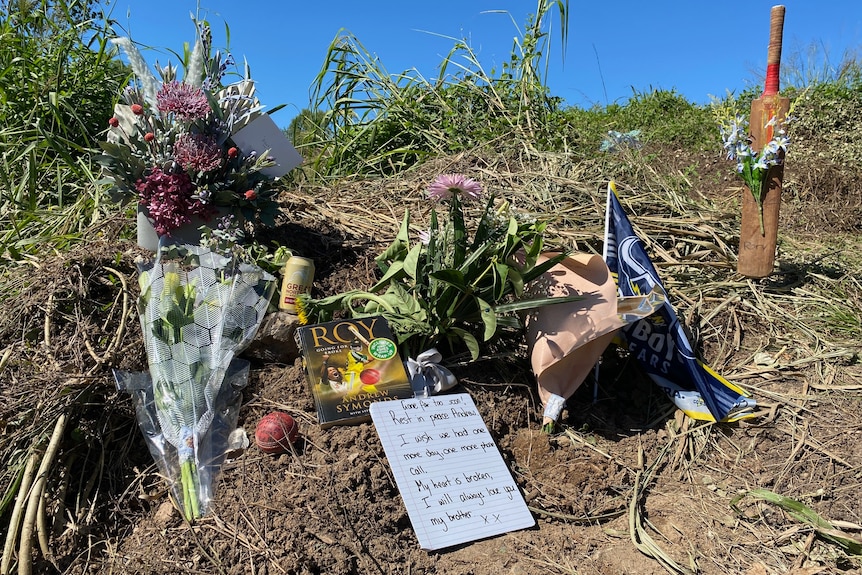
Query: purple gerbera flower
[(198, 152), (186, 102), (448, 185)]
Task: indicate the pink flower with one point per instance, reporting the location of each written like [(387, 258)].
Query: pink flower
[(137, 109), (448, 185), (167, 196), (197, 152), (250, 195), (113, 122), (187, 102)]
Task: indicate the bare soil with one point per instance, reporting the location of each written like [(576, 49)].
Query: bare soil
[(332, 506)]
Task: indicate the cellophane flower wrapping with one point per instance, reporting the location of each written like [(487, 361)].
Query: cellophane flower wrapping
[(198, 310)]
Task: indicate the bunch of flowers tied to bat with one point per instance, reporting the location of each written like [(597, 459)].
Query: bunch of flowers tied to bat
[(169, 143), (751, 164), (450, 285)]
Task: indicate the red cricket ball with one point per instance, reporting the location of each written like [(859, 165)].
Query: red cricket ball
[(369, 376), (275, 432)]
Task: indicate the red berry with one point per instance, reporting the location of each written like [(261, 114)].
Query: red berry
[(232, 152), (113, 122), (251, 195), (149, 137), (137, 109)]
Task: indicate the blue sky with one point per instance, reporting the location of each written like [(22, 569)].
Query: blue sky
[(695, 47)]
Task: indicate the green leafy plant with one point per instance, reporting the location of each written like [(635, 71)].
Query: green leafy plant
[(450, 285), (58, 80)]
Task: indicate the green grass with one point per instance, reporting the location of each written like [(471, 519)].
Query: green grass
[(52, 111), (377, 122)]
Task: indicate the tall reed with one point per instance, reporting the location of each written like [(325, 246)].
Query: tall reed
[(378, 122)]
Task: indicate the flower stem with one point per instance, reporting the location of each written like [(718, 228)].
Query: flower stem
[(762, 230), (188, 478)]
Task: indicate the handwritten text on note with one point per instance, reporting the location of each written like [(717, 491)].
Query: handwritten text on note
[(453, 481)]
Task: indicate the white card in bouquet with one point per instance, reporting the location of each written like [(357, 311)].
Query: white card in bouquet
[(262, 134), (453, 480)]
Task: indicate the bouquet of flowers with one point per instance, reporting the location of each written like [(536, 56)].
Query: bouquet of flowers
[(198, 310), (752, 164), (172, 143), (450, 287)]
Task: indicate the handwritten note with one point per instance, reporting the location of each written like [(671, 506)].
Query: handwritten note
[(451, 476)]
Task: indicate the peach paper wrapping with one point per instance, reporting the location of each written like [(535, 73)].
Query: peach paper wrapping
[(566, 340)]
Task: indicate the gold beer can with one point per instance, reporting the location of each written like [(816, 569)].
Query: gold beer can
[(298, 275)]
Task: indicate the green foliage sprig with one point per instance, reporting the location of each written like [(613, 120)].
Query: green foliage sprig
[(450, 285)]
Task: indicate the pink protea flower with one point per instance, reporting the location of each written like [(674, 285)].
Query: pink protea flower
[(197, 152), (448, 185), (186, 102)]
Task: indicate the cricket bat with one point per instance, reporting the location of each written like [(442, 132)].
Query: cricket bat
[(757, 247)]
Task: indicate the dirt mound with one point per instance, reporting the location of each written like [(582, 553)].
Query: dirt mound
[(623, 466)]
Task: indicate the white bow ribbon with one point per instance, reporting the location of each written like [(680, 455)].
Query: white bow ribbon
[(427, 376)]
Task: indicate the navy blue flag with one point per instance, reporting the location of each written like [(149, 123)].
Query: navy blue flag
[(658, 342)]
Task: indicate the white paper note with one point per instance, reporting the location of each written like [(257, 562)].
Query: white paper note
[(451, 476), (262, 134)]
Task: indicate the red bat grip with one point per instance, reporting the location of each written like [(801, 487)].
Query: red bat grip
[(773, 56)]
